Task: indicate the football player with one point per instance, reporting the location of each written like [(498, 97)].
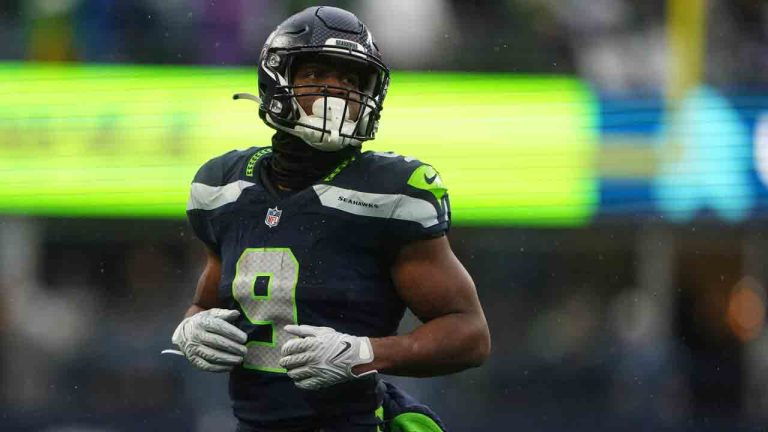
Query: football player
[(316, 248)]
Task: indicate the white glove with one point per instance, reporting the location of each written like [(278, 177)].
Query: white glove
[(209, 342), (322, 357)]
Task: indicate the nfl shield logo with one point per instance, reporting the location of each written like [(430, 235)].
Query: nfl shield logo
[(273, 217)]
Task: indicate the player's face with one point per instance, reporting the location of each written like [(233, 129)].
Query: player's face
[(318, 74)]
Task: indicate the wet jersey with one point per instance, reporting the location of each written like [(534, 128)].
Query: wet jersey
[(319, 256)]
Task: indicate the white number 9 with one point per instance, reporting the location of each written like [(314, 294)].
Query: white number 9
[(277, 308)]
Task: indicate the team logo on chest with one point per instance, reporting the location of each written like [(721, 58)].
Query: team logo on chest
[(273, 217)]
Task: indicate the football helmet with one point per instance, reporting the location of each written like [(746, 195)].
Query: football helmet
[(322, 34)]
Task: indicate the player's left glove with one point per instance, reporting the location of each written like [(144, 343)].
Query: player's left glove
[(321, 356)]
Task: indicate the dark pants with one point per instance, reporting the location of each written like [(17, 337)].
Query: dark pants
[(396, 403), (346, 424)]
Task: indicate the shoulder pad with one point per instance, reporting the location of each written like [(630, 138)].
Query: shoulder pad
[(405, 172), (231, 166), (426, 178)]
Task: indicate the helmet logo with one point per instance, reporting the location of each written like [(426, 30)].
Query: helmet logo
[(345, 44)]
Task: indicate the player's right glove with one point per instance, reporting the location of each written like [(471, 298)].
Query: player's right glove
[(322, 357), (209, 342)]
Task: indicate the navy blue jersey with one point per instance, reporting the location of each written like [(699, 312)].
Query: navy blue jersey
[(319, 256)]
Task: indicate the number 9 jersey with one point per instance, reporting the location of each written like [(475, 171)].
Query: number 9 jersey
[(320, 256)]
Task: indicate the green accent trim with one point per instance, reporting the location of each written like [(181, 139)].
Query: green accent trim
[(427, 178), (379, 413), (295, 317), (263, 344), (413, 422), (255, 158), (338, 169), (295, 283), (259, 343)]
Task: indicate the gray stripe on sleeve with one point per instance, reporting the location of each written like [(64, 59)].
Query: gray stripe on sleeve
[(388, 206), (204, 197)]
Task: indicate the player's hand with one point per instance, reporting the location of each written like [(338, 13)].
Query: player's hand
[(209, 342), (321, 356)]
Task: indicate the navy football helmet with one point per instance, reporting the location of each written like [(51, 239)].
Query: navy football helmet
[(327, 35)]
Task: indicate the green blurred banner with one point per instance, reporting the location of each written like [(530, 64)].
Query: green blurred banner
[(126, 141)]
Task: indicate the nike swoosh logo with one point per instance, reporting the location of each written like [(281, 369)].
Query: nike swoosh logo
[(430, 180), (346, 348)]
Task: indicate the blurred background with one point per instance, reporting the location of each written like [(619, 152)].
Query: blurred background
[(607, 159)]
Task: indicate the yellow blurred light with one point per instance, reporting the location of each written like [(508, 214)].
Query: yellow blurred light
[(126, 140)]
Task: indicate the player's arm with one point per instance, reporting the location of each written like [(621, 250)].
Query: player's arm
[(205, 294), (205, 336), (454, 334)]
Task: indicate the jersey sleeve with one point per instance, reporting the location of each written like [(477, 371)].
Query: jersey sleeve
[(423, 208), (218, 183), (198, 213)]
